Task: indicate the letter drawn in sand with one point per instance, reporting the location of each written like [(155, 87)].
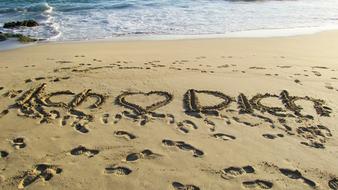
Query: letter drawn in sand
[(193, 107)]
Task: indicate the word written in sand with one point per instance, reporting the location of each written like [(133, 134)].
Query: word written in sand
[(36, 103)]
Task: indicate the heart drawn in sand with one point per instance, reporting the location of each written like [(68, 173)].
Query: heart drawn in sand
[(140, 110)]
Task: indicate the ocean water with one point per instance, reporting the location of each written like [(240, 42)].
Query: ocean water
[(63, 20)]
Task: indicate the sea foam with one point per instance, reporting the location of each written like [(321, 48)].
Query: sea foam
[(102, 19)]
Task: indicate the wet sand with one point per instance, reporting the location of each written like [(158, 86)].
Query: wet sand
[(184, 114)]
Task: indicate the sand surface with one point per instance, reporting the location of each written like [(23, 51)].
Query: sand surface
[(215, 114)]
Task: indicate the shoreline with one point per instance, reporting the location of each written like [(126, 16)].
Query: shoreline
[(252, 34)]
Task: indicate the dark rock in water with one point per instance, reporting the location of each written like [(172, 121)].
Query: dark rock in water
[(25, 23), (2, 38), (21, 38), (26, 39)]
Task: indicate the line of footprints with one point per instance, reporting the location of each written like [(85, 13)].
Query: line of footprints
[(46, 172), (232, 172)]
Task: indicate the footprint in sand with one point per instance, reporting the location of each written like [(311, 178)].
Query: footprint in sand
[(41, 171), (80, 128), (117, 118), (144, 154), (257, 68), (3, 154), (64, 120), (3, 113), (170, 118), (105, 118), (295, 174), (158, 115), (333, 184), (223, 136), (12, 93), (329, 86), (40, 78), (183, 146), (210, 124), (124, 134), (232, 172), (81, 150), (318, 74), (272, 136), (18, 143), (238, 120), (180, 186), (297, 81), (126, 114), (118, 170), (186, 125), (258, 184)]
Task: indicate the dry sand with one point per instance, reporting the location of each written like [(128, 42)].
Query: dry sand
[(209, 114)]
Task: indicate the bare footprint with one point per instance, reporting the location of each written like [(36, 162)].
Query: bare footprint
[(223, 136), (64, 120), (80, 150), (118, 170), (186, 125), (170, 118), (180, 186), (18, 143), (124, 134), (104, 118), (238, 120), (144, 154), (117, 118), (297, 81), (260, 184), (272, 136), (210, 124), (232, 172), (183, 146)]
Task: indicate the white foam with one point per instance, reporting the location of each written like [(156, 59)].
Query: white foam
[(70, 20), (49, 9)]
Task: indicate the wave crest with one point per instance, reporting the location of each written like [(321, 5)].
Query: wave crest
[(37, 7)]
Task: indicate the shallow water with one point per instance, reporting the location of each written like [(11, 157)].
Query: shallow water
[(100, 19)]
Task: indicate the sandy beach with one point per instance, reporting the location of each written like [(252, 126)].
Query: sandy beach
[(208, 114)]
